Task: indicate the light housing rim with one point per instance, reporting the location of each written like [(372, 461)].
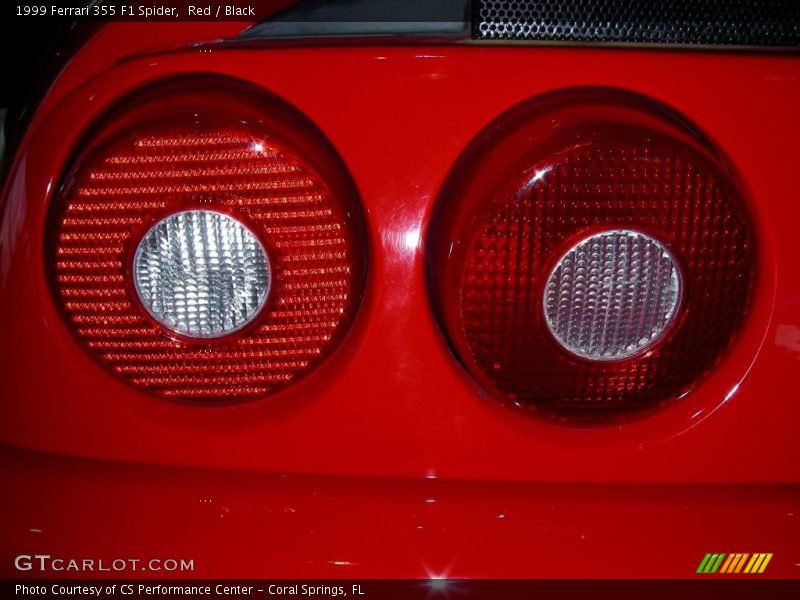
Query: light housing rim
[(448, 214), (290, 125)]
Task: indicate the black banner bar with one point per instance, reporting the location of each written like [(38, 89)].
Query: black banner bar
[(384, 589)]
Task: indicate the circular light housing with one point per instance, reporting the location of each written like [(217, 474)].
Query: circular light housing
[(592, 257), (201, 274), (612, 295), (207, 243)]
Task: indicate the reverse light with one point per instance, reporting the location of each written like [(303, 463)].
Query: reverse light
[(207, 243), (592, 258), (201, 273), (612, 295)]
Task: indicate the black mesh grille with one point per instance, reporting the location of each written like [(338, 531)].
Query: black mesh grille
[(706, 22)]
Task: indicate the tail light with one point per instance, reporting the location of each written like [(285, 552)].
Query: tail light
[(593, 258), (207, 243)]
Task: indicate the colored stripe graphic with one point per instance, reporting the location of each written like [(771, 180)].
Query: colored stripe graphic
[(716, 564), (736, 562), (710, 563), (766, 561), (726, 565), (758, 563), (703, 563), (753, 565)]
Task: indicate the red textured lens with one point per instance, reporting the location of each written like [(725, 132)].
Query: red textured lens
[(207, 243), (593, 258)]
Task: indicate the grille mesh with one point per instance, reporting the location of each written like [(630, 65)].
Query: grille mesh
[(702, 22)]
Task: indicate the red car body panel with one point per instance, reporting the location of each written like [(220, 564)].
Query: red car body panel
[(392, 409), (237, 525)]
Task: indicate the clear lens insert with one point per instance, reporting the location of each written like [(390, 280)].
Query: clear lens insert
[(612, 295), (201, 274)]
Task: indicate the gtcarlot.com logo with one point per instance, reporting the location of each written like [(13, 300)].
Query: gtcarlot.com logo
[(46, 563)]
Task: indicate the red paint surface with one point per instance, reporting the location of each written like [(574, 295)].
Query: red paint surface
[(265, 525), (392, 402)]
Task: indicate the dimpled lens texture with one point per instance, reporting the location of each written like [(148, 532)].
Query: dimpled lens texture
[(201, 274), (612, 295), (149, 241), (592, 272)]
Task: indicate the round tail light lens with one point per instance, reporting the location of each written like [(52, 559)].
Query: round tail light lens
[(207, 243), (593, 258)]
